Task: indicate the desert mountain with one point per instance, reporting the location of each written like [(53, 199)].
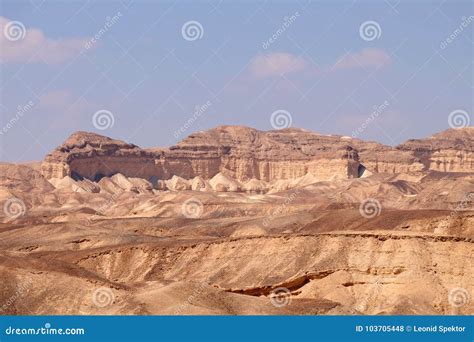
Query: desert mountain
[(245, 153), (240, 221)]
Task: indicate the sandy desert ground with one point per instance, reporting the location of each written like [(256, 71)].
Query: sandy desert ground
[(242, 222)]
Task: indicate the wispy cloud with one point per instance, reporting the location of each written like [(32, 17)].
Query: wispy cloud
[(32, 46), (366, 58), (279, 63), (276, 64)]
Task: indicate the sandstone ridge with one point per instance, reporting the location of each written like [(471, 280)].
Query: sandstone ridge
[(253, 157)]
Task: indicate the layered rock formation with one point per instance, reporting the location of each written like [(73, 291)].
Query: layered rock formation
[(448, 151), (244, 213), (241, 154), (89, 155)]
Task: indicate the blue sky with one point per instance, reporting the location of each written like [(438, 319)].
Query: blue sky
[(321, 69)]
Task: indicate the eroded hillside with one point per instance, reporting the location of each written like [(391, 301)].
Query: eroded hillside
[(239, 221)]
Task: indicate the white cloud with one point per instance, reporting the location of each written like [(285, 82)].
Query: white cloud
[(275, 64), (365, 58), (32, 46)]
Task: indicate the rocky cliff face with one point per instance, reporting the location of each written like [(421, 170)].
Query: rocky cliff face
[(448, 151), (239, 152), (246, 154), (91, 155)]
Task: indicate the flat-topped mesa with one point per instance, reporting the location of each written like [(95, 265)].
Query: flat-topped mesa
[(89, 155), (448, 151), (379, 158), (240, 152), (245, 154)]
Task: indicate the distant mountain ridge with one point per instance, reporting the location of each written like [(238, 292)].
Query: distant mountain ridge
[(245, 154)]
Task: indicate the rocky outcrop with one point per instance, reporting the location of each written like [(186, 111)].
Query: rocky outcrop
[(240, 153), (448, 151), (22, 178), (237, 155)]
